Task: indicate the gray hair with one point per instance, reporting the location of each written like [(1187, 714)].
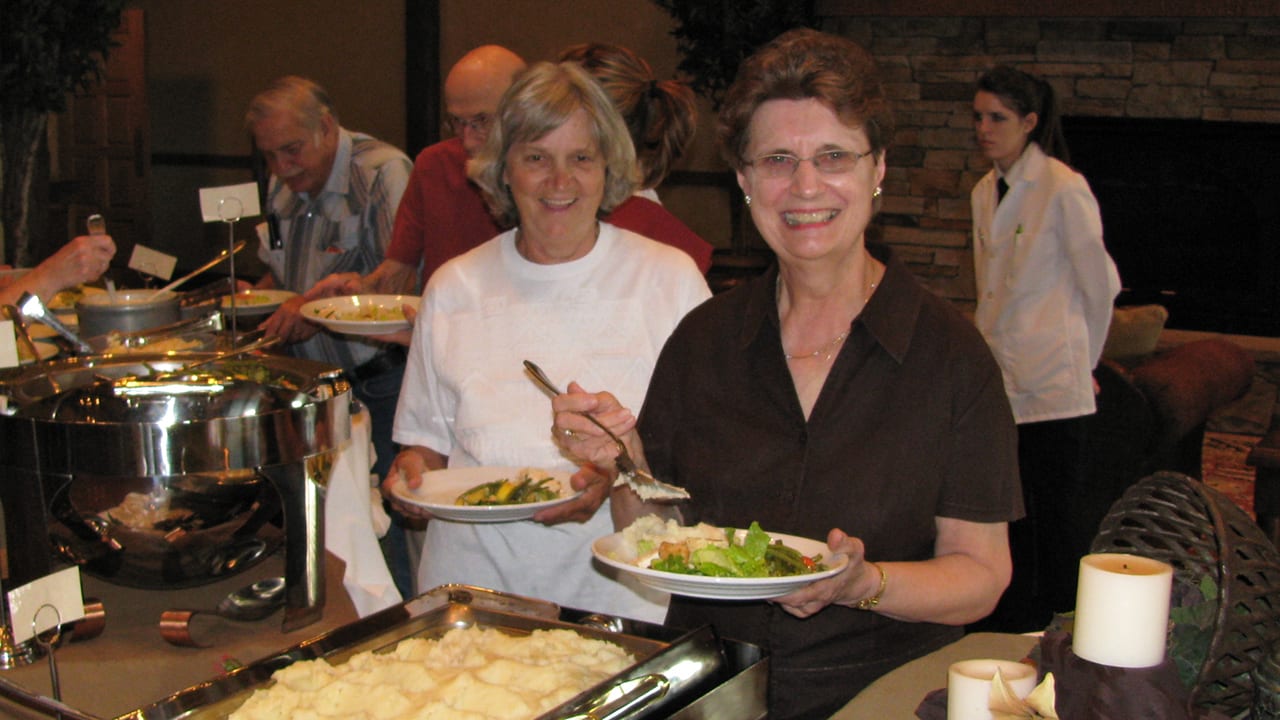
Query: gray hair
[(539, 101), (293, 94)]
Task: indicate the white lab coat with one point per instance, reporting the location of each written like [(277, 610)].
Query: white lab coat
[(1046, 285)]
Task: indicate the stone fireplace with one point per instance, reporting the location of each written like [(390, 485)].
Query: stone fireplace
[(1191, 211), (1175, 121)]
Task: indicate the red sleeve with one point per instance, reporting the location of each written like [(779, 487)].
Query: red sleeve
[(648, 218)]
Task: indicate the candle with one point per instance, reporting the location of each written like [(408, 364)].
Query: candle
[(969, 686), (1122, 610)]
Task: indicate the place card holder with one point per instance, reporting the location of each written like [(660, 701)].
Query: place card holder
[(47, 642), (229, 204)]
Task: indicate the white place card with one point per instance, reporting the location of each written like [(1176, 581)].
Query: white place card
[(29, 605), (229, 202), (152, 262), (8, 344)]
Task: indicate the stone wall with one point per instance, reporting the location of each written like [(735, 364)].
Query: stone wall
[(1199, 68)]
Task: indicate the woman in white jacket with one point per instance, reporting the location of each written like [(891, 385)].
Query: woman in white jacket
[(1046, 286)]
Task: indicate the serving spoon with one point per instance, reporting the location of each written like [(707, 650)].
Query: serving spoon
[(97, 225), (220, 257), (646, 486)]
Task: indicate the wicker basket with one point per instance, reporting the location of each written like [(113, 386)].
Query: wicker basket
[(1201, 533)]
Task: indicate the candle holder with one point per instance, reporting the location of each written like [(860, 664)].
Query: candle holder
[(1226, 582)]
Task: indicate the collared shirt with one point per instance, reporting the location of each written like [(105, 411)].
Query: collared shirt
[(1046, 285), (911, 424), (344, 228)]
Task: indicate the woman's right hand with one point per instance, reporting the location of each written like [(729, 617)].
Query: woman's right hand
[(581, 438), (82, 260)]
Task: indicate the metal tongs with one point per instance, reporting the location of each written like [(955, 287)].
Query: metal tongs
[(646, 486), (129, 382), (30, 306), (11, 312)]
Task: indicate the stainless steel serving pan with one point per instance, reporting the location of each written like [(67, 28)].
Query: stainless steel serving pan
[(677, 676), (673, 670)]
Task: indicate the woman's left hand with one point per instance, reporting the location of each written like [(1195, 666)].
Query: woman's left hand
[(595, 488), (846, 587)]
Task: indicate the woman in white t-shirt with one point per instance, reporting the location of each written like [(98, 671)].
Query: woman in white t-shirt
[(583, 299)]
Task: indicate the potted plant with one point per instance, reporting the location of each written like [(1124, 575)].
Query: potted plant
[(714, 36), (48, 48)]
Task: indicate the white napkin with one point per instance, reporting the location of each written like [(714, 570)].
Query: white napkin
[(349, 531)]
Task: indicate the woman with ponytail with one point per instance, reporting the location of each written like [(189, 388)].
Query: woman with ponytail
[(1045, 287), (661, 118)]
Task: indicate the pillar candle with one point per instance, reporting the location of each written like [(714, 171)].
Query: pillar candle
[(1122, 610), (969, 686)]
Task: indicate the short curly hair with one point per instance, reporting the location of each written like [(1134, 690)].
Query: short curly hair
[(806, 64), (539, 101)]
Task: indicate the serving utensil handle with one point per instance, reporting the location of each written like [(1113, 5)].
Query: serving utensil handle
[(545, 382)]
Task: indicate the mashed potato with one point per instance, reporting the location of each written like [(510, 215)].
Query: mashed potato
[(468, 674), (647, 534)]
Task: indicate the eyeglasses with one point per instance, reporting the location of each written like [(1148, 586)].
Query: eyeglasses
[(778, 166), (479, 123)]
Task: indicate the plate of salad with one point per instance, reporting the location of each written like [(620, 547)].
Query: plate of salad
[(487, 494), (361, 314), (705, 561)]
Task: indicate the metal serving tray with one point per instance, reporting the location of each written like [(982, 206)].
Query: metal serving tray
[(678, 675), (665, 669)]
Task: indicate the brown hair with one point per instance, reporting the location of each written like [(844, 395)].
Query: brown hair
[(539, 101), (661, 116), (806, 64), (1025, 94)]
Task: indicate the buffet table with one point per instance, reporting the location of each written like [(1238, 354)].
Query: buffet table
[(898, 693), (130, 665)]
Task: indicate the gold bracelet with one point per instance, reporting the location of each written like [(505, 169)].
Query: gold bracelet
[(868, 603)]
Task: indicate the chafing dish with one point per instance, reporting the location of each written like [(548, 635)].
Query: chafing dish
[(84, 437), (680, 675)]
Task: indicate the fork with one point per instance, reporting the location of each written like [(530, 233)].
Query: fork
[(646, 486)]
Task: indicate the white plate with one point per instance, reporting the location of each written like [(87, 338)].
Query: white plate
[(338, 313), (440, 490), (64, 303), (612, 550), (257, 302), (44, 350), (39, 331)]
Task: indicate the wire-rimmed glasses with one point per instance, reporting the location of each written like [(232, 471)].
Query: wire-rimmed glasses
[(779, 166)]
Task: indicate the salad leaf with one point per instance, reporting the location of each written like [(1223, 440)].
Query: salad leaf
[(751, 556)]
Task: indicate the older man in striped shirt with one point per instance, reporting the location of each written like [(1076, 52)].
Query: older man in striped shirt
[(331, 204)]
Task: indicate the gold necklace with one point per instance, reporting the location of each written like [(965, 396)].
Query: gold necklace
[(830, 347)]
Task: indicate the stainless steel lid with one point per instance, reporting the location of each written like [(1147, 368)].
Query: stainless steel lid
[(115, 416)]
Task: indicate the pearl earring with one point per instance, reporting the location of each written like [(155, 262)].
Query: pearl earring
[(877, 192), (747, 198)]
